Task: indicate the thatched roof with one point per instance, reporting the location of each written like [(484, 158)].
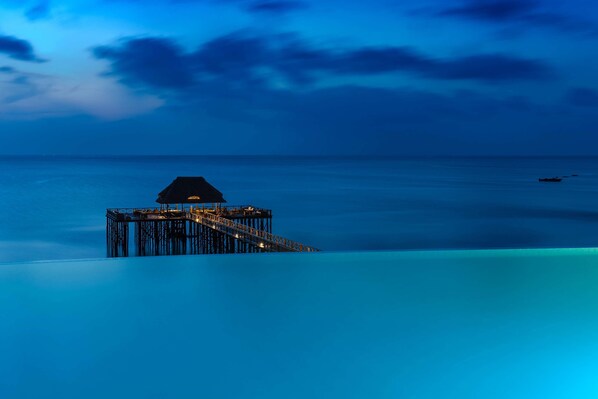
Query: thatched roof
[(190, 190)]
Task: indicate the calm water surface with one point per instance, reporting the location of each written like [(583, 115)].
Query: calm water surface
[(429, 325), (53, 207)]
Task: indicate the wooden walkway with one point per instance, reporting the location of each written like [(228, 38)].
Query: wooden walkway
[(262, 239)]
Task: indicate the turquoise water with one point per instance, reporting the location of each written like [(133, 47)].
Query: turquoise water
[(54, 207), (460, 324)]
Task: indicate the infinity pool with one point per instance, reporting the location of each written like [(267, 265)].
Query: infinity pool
[(458, 324)]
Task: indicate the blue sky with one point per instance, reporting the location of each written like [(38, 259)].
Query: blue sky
[(382, 77)]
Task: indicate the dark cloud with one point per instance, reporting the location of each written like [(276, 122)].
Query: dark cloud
[(7, 69), (526, 13), (155, 62), (18, 87), (39, 11), (248, 59), (582, 97), (22, 80), (233, 57), (486, 67), (275, 7), (265, 7), (18, 49), (493, 67), (492, 10)]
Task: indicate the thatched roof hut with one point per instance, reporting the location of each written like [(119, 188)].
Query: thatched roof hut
[(190, 190)]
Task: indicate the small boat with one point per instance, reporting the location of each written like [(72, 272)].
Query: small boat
[(550, 179), (574, 175)]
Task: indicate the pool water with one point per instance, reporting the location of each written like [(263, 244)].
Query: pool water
[(448, 324)]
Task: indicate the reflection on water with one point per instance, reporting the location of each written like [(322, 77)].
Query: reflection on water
[(478, 324), (331, 203)]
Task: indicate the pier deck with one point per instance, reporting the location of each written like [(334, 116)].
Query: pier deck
[(195, 230)]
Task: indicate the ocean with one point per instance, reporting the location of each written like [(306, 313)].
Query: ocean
[(54, 207)]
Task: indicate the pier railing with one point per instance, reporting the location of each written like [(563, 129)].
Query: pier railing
[(261, 238), (236, 211)]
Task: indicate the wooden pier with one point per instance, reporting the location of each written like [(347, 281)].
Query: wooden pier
[(215, 229)]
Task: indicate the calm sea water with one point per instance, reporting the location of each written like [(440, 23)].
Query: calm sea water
[(428, 325), (53, 207)]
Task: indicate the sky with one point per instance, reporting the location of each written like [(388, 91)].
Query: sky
[(299, 77)]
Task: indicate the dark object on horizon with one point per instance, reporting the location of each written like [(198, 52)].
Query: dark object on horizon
[(574, 175), (550, 179), (190, 190)]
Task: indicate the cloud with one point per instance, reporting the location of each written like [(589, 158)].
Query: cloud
[(493, 67), (7, 69), (483, 67), (242, 58), (527, 13), (233, 57), (492, 10), (18, 87), (18, 49), (264, 7), (34, 96), (582, 97), (156, 62), (39, 11), (275, 7)]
